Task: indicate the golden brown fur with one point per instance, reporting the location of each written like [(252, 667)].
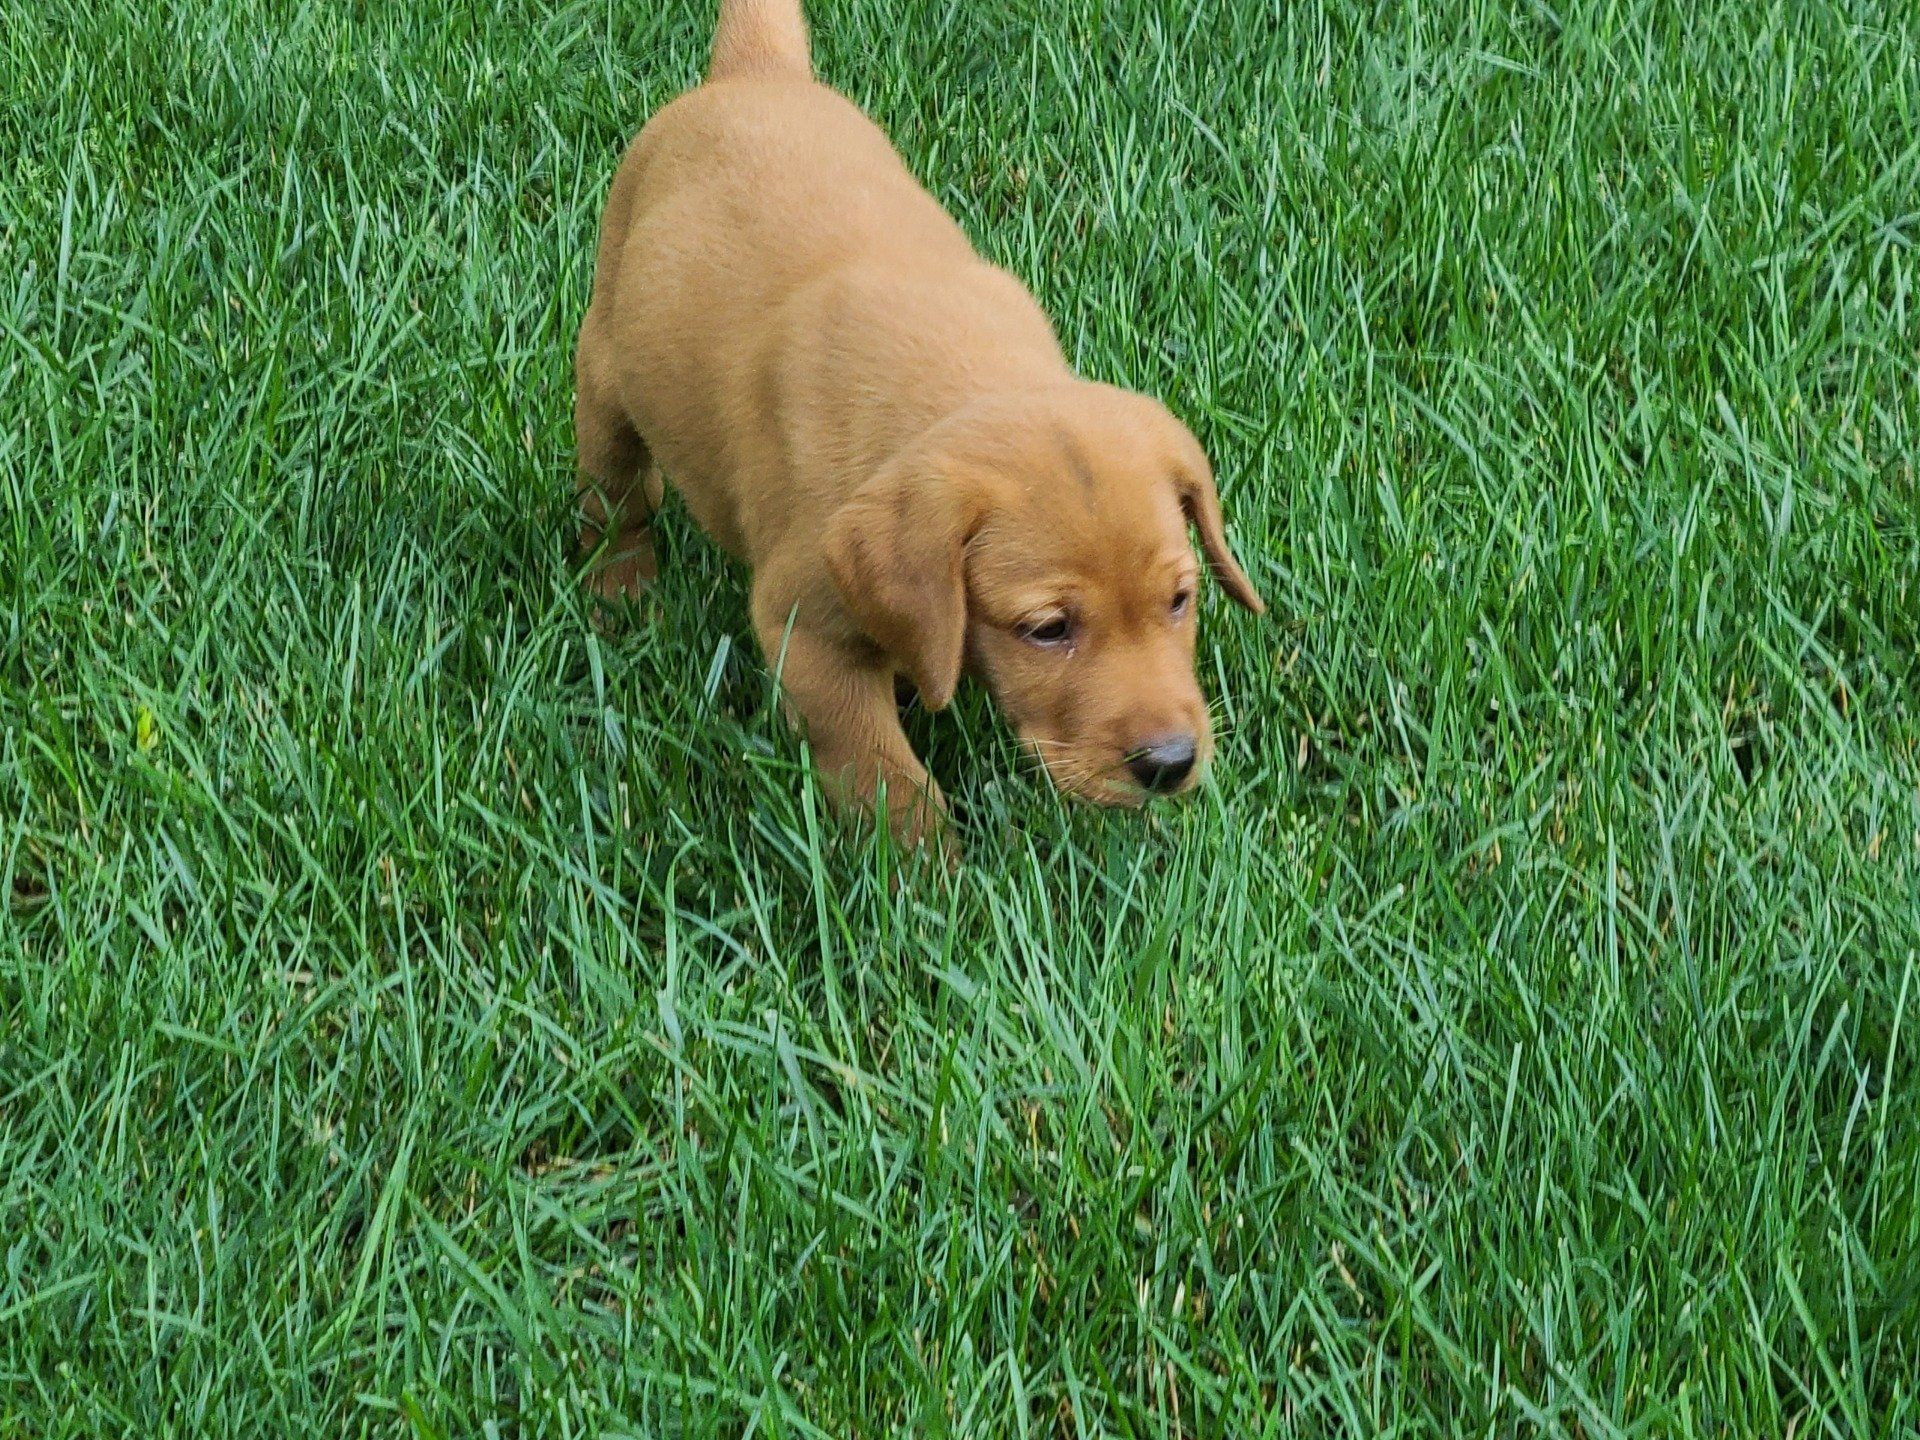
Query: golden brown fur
[(884, 428)]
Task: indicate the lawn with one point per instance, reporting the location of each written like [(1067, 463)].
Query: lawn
[(422, 1012)]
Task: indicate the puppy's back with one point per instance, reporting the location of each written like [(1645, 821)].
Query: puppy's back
[(734, 199), (772, 280), (786, 169)]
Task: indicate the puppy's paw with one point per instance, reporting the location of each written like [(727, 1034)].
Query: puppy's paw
[(626, 575), (919, 821), (616, 581)]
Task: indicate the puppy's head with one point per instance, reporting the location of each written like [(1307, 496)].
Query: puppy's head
[(1044, 541)]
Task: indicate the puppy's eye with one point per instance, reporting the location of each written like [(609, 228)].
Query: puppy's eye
[(1182, 602), (1051, 632)]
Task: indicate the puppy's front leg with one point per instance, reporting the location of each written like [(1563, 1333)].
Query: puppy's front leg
[(847, 711)]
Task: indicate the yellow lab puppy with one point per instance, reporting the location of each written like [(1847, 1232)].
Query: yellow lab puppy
[(883, 426)]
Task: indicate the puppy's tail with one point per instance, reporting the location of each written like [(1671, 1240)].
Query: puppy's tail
[(761, 37)]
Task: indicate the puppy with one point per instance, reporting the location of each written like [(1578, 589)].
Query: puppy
[(884, 427)]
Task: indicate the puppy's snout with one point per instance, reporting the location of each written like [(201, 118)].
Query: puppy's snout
[(1162, 765)]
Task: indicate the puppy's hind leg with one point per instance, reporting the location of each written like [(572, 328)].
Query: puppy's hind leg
[(618, 491)]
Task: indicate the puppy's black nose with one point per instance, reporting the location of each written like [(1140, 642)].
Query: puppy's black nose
[(1162, 765)]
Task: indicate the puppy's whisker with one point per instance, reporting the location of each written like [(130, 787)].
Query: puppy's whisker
[(1222, 722), (1035, 751), (1066, 768)]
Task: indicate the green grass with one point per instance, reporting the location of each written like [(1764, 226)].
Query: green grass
[(420, 1013)]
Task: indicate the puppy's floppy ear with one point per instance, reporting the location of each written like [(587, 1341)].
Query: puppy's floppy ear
[(1202, 503), (896, 551)]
